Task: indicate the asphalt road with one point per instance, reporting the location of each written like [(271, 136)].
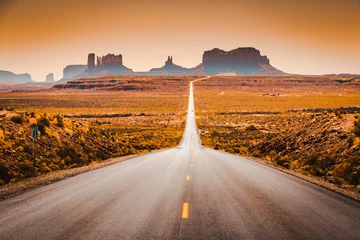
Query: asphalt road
[(188, 192)]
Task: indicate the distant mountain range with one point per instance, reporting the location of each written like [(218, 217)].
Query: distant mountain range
[(241, 61), (9, 77)]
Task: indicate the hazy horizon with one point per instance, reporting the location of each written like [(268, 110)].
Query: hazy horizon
[(40, 37)]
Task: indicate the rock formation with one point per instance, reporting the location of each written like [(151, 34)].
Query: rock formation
[(91, 61), (170, 69), (242, 61), (169, 62), (109, 64), (71, 71), (109, 60), (9, 77), (50, 78)]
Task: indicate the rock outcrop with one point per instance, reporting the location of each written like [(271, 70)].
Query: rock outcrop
[(91, 61), (50, 78), (71, 71), (110, 60), (242, 61), (9, 77), (109, 64), (171, 69)]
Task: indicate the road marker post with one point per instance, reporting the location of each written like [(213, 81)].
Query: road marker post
[(34, 135)]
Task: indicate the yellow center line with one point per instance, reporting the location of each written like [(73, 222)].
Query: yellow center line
[(187, 177), (185, 210)]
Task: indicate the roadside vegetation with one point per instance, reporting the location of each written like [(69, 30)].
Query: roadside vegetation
[(305, 125), (80, 128)]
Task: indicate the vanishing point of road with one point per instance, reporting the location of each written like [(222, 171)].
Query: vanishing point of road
[(188, 192)]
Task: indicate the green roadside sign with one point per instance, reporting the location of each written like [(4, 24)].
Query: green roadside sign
[(34, 132)]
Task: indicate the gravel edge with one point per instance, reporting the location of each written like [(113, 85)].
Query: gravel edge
[(14, 189), (312, 179)]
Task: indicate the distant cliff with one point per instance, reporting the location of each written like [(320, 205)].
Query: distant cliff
[(72, 71), (50, 78), (242, 61), (109, 64), (9, 77), (170, 69)]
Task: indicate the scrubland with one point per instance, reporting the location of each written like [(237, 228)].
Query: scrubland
[(309, 125), (84, 127)]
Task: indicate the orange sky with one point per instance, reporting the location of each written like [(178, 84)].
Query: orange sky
[(299, 36)]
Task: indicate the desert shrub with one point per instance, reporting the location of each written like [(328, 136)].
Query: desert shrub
[(28, 149), (69, 154), (349, 171), (87, 149), (251, 128), (41, 128), (357, 128), (4, 174), (10, 109), (19, 119), (27, 168), (60, 121), (42, 122), (338, 114), (312, 160), (102, 155)]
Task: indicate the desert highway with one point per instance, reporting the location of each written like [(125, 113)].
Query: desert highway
[(188, 192)]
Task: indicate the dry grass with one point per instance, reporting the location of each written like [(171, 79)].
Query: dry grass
[(86, 127), (306, 126)]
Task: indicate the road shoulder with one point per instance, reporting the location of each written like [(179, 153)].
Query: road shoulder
[(14, 189), (312, 179)]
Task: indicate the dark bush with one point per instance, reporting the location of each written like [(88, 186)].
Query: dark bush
[(357, 128), (312, 160), (10, 109), (41, 128), (28, 149), (87, 149), (19, 119), (60, 121), (251, 128), (42, 122), (349, 171), (4, 174), (102, 155), (69, 152)]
